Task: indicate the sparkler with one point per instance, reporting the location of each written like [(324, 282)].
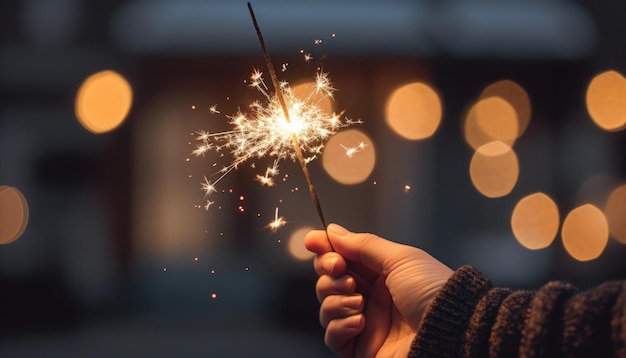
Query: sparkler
[(322, 83), (285, 126)]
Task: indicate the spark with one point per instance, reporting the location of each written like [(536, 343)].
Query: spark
[(323, 85), (265, 180), (207, 187), (273, 170), (277, 223), (269, 173), (201, 149), (264, 130), (256, 81), (351, 151), (213, 109)]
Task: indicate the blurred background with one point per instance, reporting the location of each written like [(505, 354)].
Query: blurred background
[(492, 135)]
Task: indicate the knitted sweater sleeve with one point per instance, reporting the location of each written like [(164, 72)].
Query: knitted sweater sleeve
[(470, 318)]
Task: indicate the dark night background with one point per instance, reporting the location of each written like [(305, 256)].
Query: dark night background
[(117, 261)]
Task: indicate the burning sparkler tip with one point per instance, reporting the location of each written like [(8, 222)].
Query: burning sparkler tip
[(285, 126)]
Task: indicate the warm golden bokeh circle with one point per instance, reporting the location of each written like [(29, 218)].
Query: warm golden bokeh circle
[(414, 111), (305, 91), (606, 100), (13, 214), (349, 157), (103, 101), (516, 96), (296, 244), (585, 232), (494, 169), (535, 221), (491, 119), (615, 211)]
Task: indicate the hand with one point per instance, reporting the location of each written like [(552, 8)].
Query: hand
[(373, 292)]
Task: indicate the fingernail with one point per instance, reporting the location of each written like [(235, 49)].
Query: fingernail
[(329, 265), (337, 229), (353, 302)]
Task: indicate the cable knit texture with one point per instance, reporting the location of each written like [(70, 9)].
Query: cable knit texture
[(470, 318), (447, 318), (481, 322)]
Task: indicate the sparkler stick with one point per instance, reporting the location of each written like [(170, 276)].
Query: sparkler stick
[(285, 127), (283, 105)]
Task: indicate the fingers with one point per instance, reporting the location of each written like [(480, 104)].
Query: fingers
[(330, 263), (340, 311), (327, 286), (340, 306), (333, 264), (340, 333)]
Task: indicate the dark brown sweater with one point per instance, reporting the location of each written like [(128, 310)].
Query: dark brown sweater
[(470, 318)]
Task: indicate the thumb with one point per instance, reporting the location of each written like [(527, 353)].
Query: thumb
[(371, 250)]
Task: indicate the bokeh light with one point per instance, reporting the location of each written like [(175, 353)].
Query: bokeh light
[(615, 211), (103, 101), (535, 221), (606, 100), (349, 157), (585, 232), (13, 214), (494, 169), (514, 95), (296, 244), (491, 119), (305, 91), (413, 111)]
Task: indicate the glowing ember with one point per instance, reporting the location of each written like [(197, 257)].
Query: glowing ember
[(277, 223), (351, 151), (266, 132)]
